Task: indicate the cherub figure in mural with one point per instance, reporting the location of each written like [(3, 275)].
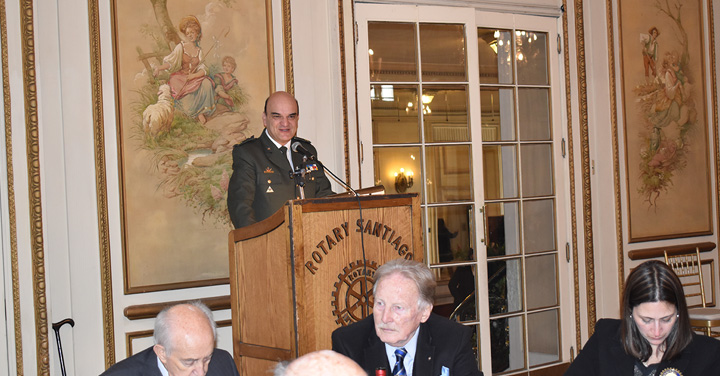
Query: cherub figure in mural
[(650, 52), (225, 82), (667, 110), (190, 85)]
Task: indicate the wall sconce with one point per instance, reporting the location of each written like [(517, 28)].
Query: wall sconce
[(403, 180)]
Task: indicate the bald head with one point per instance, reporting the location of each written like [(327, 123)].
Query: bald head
[(185, 338), (323, 363), (280, 117)]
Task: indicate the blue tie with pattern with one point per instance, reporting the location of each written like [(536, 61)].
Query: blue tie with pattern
[(399, 369)]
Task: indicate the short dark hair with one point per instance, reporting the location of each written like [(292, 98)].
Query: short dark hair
[(653, 281)]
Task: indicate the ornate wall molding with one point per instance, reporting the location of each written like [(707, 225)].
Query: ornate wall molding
[(571, 177), (12, 219), (287, 39), (713, 86), (101, 183), (615, 147), (32, 140), (585, 152), (343, 77)]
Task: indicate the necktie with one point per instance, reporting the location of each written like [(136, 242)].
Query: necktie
[(283, 150), (399, 369)]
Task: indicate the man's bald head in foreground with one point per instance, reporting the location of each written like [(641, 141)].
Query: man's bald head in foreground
[(185, 336), (321, 363)]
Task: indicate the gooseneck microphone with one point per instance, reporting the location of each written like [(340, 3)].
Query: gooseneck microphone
[(298, 148)]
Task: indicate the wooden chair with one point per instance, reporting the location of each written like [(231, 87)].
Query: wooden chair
[(688, 267)]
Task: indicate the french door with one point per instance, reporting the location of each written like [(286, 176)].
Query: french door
[(462, 107)]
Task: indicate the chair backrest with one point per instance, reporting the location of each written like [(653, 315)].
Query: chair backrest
[(688, 268)]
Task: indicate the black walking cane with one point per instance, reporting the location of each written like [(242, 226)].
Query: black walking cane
[(56, 327)]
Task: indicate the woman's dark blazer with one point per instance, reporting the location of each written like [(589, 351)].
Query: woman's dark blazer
[(604, 354)]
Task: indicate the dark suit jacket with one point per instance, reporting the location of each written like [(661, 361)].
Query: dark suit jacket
[(604, 354), (145, 363), (441, 342), (261, 182)]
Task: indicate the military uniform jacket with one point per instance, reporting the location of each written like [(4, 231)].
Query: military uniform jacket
[(440, 343), (261, 181)]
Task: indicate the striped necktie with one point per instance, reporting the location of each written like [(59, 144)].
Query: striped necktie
[(399, 369)]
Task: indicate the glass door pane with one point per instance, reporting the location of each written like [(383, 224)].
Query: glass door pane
[(447, 96), (518, 174)]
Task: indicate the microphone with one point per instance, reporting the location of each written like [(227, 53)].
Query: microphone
[(298, 148)]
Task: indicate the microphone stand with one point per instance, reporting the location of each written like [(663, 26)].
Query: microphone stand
[(299, 175)]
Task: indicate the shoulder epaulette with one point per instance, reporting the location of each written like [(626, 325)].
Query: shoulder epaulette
[(296, 138), (252, 138)]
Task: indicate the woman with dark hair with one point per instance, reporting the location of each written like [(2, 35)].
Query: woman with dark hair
[(653, 336)]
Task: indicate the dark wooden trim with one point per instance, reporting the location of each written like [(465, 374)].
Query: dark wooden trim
[(345, 203), (376, 190), (262, 352), (149, 311), (648, 253), (556, 370)]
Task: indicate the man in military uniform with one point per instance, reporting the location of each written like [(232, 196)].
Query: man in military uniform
[(261, 181)]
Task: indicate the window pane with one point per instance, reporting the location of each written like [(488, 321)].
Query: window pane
[(539, 225), (504, 286), (395, 118), (462, 288), (537, 176), (541, 273), (531, 58), (498, 114), (392, 51), (442, 49), (503, 229), (507, 344), (450, 233), (495, 56), (500, 172), (445, 113), (534, 114), (448, 173), (543, 337), (396, 168)]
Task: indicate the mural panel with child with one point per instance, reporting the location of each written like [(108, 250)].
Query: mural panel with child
[(191, 80), (665, 108)]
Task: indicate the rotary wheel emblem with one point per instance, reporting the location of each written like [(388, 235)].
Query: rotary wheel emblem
[(352, 297)]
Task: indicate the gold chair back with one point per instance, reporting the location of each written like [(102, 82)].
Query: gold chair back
[(688, 268)]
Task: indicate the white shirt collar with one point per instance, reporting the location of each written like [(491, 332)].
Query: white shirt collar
[(277, 144), (287, 152), (162, 368), (410, 347)]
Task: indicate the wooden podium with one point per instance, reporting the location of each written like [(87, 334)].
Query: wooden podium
[(298, 275)]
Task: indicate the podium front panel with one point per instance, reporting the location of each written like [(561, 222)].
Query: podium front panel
[(333, 276), (300, 274)]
